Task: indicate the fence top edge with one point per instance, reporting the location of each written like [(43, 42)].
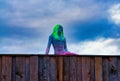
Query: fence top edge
[(54, 55)]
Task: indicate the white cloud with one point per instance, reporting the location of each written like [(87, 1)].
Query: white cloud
[(44, 13), (100, 46), (23, 46), (114, 12)]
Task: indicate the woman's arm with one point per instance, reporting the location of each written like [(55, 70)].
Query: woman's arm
[(65, 46), (48, 46)]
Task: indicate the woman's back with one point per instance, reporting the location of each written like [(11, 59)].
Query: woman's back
[(58, 45)]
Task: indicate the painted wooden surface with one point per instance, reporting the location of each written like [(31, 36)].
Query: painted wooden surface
[(59, 68)]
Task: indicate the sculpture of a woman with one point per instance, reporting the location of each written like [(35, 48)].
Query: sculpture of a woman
[(58, 41)]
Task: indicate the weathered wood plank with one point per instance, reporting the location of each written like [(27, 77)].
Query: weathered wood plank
[(0, 68), (60, 68), (79, 69), (66, 69), (40, 68), (113, 69), (73, 68), (13, 68), (33, 68), (98, 69), (118, 68), (105, 69), (83, 68), (92, 68), (6, 68), (87, 67), (27, 76), (20, 68), (44, 68), (52, 69)]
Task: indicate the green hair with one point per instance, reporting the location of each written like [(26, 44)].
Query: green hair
[(55, 32)]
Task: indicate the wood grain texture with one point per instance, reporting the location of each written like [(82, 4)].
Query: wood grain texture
[(6, 68), (40, 70), (79, 69), (33, 68), (0, 68), (59, 68), (73, 69), (92, 68), (13, 68), (105, 69), (27, 69), (21, 68), (98, 69), (113, 69), (52, 69), (118, 66), (44, 68), (87, 68), (66, 69), (84, 69)]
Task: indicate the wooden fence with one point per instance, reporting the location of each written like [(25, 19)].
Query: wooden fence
[(59, 68)]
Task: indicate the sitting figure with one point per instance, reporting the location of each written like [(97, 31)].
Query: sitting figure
[(58, 41)]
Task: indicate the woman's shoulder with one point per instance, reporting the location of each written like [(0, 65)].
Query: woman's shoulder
[(51, 37)]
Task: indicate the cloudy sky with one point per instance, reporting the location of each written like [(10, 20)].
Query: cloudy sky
[(90, 26)]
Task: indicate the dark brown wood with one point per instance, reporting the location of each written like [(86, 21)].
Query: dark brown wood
[(66, 69), (87, 67), (27, 74), (6, 68), (83, 68), (34, 68), (59, 68), (79, 68), (40, 60), (73, 69), (14, 68), (105, 69), (98, 69), (20, 68), (92, 68), (113, 69), (52, 69), (44, 68), (0, 68), (118, 71)]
